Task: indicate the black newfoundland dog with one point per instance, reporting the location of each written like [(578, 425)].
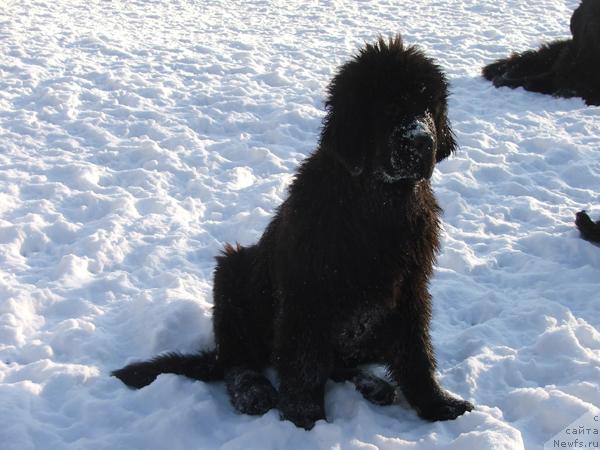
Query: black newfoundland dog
[(590, 230), (339, 277), (567, 68)]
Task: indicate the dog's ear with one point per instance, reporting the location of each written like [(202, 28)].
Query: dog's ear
[(345, 128), (446, 142)]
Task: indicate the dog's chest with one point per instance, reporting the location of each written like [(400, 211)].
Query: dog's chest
[(360, 328)]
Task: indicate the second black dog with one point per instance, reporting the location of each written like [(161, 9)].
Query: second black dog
[(565, 68), (339, 277)]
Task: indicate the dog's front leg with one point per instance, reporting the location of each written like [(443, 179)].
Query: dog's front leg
[(303, 356), (412, 362), (414, 372)]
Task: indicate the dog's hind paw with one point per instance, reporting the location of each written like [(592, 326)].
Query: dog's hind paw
[(375, 389)]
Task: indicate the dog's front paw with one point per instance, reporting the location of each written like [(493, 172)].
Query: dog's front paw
[(444, 407), (505, 80), (494, 70), (301, 412)]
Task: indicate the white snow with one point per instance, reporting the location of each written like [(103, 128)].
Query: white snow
[(137, 137)]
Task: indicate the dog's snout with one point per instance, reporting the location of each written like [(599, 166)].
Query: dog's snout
[(414, 155), (412, 149)]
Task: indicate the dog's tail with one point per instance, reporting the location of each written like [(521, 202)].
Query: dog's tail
[(202, 366)]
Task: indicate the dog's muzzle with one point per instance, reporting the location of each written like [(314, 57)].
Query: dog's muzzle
[(412, 154)]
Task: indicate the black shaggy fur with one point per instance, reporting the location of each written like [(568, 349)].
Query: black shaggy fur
[(567, 68), (340, 275), (590, 230)]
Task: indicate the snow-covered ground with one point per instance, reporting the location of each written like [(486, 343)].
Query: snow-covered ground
[(138, 136)]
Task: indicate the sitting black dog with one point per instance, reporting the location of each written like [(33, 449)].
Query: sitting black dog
[(566, 68), (339, 277), (590, 230)]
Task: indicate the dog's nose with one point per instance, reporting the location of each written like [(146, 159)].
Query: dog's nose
[(422, 144)]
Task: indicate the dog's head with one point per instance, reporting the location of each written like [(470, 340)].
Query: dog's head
[(585, 28), (387, 113)]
